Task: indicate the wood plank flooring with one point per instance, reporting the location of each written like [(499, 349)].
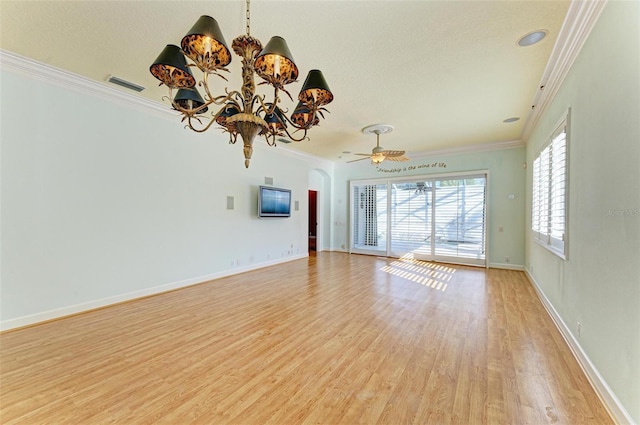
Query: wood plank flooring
[(333, 339)]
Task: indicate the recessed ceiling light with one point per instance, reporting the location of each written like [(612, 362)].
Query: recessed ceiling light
[(512, 119), (532, 38)]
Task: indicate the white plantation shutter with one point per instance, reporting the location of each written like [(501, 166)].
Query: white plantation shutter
[(549, 194), (371, 216), (367, 215), (557, 199), (536, 213)]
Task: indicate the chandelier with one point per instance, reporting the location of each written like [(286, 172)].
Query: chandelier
[(243, 112)]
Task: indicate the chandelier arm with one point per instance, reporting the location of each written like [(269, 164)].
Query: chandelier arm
[(290, 136), (276, 100), (209, 98), (258, 99), (202, 130), (206, 71), (287, 92), (189, 116), (268, 109), (220, 100), (271, 136)]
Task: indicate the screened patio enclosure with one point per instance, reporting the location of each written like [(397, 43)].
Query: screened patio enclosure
[(427, 218)]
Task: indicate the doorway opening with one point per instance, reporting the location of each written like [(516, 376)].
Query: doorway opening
[(313, 219)]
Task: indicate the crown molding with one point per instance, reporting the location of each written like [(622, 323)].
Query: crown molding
[(580, 20), (511, 144), (61, 78)]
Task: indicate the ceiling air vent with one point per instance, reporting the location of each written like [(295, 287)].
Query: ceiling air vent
[(283, 140), (124, 83)]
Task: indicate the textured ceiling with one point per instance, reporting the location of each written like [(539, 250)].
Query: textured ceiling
[(445, 74)]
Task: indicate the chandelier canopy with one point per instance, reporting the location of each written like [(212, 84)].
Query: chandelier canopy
[(243, 112)]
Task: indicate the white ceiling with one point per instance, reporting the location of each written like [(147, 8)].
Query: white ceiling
[(445, 74)]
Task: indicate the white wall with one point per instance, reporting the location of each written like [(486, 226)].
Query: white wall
[(506, 176), (102, 201), (599, 284)]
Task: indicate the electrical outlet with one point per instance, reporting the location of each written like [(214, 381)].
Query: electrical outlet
[(507, 259), (579, 328)]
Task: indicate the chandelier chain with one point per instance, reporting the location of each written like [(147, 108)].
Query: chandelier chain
[(248, 19)]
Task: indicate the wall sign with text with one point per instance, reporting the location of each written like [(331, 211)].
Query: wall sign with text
[(412, 167)]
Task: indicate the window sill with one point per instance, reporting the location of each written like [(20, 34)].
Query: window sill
[(553, 250)]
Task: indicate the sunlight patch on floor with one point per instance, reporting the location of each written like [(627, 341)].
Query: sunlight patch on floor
[(425, 273)]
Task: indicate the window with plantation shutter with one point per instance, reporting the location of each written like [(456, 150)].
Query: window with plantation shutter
[(549, 194)]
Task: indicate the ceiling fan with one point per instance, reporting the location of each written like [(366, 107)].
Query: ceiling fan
[(379, 154)]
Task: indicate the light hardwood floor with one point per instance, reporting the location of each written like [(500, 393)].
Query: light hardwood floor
[(335, 338)]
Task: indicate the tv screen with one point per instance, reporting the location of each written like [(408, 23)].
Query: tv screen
[(274, 202)]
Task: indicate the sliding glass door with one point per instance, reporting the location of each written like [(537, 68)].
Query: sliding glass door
[(411, 223), (429, 218)]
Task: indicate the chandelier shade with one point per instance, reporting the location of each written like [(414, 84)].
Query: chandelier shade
[(170, 67), (190, 99), (275, 64), (205, 45), (240, 113), (315, 89), (303, 117), (225, 113), (276, 121)]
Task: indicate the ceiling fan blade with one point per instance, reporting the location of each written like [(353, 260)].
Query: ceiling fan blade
[(363, 154), (355, 160), (390, 154), (397, 158)]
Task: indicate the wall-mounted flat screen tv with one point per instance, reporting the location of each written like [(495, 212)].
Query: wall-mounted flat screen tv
[(274, 202)]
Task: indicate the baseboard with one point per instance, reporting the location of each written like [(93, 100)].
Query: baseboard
[(71, 310), (616, 410), (507, 266)]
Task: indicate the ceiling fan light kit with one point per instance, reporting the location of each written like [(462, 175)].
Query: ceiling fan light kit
[(241, 112), (379, 154)]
